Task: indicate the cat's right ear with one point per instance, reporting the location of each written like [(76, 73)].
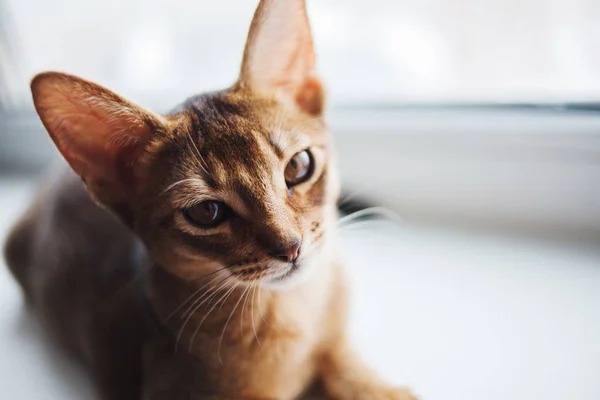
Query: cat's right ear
[(100, 134), (279, 56)]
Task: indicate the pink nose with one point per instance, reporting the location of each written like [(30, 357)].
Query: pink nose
[(290, 253)]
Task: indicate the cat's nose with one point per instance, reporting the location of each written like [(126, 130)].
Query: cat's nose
[(289, 252)]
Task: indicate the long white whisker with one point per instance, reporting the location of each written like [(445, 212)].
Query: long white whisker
[(207, 314), (378, 211), (171, 186), (214, 291), (226, 323), (252, 309), (228, 294), (259, 308), (199, 156), (364, 225), (168, 317), (203, 295), (243, 308)]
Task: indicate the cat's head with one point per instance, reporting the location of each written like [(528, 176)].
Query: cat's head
[(241, 180)]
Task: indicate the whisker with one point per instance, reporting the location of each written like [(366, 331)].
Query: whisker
[(252, 308), (360, 224), (195, 280), (207, 314), (202, 296), (180, 333), (251, 284), (171, 186), (214, 291), (366, 226), (227, 322), (213, 272), (259, 308), (228, 294), (195, 293), (200, 159), (371, 211), (205, 297)]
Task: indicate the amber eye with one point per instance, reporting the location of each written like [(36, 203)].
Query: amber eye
[(207, 214), (299, 169)]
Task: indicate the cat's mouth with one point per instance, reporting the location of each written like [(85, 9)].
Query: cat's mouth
[(271, 274), (290, 275), (292, 269)]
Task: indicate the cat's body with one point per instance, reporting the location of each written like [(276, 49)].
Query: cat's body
[(78, 265), (209, 268), (90, 280)]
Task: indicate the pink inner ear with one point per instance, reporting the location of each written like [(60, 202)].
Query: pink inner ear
[(97, 148), (298, 66), (279, 55), (99, 134)]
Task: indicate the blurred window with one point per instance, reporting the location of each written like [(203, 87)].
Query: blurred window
[(377, 51)]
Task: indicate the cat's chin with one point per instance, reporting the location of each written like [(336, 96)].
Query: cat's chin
[(294, 275)]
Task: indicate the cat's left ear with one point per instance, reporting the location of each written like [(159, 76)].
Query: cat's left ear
[(101, 135), (279, 56)]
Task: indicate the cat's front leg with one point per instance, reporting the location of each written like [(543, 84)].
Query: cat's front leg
[(346, 377)]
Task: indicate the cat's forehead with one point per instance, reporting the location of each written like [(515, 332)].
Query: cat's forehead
[(228, 124), (228, 129), (229, 139)]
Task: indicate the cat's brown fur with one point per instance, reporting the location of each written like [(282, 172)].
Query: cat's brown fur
[(159, 309)]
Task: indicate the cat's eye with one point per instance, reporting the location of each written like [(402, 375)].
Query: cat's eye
[(299, 169), (207, 214)]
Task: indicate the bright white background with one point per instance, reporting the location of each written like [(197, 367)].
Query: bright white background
[(160, 51)]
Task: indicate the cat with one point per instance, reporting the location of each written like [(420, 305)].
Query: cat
[(193, 255)]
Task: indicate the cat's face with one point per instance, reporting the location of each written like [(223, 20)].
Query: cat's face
[(241, 181), (242, 184)]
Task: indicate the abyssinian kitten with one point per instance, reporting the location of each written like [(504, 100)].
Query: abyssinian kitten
[(198, 258)]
